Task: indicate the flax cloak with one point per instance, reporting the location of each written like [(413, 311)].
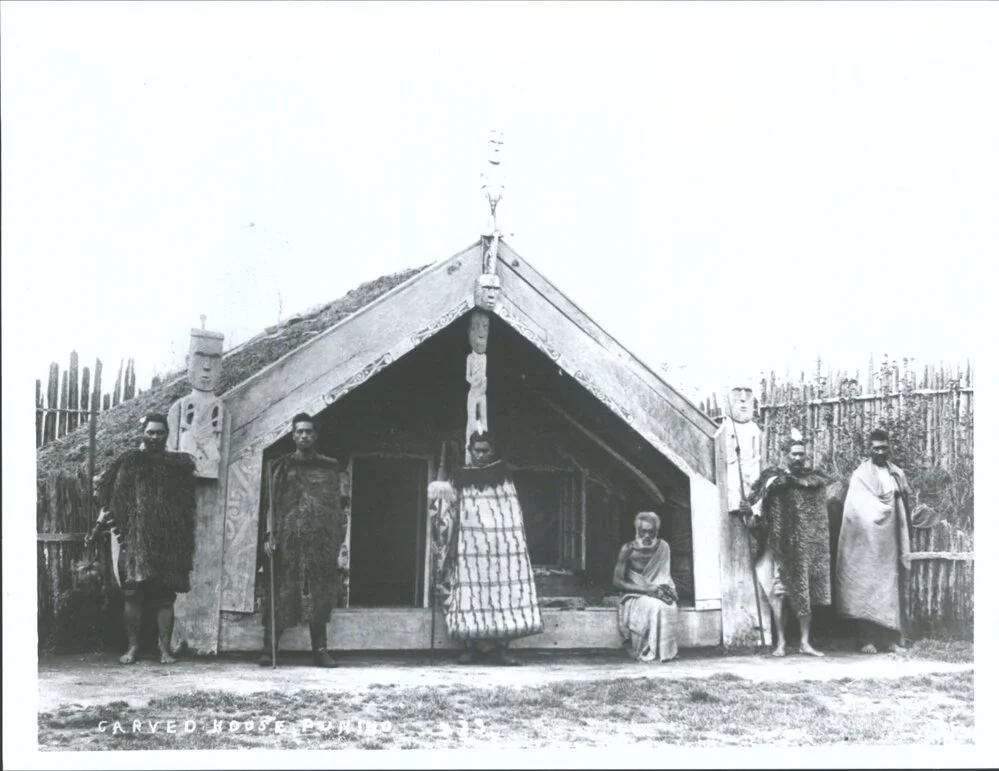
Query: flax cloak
[(151, 498), (872, 566), (493, 595), (309, 528), (795, 531)]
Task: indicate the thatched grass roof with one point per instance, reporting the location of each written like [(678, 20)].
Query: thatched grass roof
[(118, 429)]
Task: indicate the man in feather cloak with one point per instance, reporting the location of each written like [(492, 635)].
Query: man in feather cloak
[(147, 501), (790, 523), (493, 599), (301, 502)]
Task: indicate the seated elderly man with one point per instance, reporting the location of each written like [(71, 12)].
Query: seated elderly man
[(648, 614)]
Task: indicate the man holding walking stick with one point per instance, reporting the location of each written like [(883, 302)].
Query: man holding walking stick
[(302, 529)]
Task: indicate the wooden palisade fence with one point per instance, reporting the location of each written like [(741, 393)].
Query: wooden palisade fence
[(67, 402), (63, 517), (930, 416), (72, 580)]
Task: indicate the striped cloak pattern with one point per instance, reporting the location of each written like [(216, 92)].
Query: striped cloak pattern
[(493, 596)]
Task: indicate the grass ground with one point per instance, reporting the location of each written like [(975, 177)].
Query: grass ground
[(723, 710)]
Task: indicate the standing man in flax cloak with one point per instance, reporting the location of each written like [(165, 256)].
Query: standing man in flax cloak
[(147, 501), (872, 564), (302, 501), (791, 525), (493, 599)]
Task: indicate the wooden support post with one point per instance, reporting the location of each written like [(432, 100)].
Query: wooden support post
[(74, 392), (64, 405), (85, 395), (39, 414), (116, 399), (52, 404), (129, 381), (96, 394)]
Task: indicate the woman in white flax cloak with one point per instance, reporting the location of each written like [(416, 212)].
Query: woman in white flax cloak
[(493, 599)]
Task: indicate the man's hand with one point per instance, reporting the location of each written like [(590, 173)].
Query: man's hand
[(270, 546), (667, 594)]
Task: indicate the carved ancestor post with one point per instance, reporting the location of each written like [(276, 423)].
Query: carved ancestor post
[(196, 426), (475, 374), (487, 292), (743, 453), (196, 420), (742, 444)]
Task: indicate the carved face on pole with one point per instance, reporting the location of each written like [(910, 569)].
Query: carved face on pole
[(740, 404), (487, 291), (494, 148), (478, 331), (204, 361)]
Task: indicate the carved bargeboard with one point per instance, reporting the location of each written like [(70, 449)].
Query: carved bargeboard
[(239, 551)]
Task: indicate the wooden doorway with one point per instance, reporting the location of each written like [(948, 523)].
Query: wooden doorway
[(388, 531)]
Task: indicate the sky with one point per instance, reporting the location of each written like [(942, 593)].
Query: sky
[(728, 189)]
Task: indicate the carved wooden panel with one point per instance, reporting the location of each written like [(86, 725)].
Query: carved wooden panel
[(196, 613), (740, 619), (239, 551)]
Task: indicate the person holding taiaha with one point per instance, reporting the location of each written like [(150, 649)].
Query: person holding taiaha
[(302, 529)]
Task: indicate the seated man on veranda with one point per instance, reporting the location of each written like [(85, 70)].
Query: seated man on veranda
[(648, 613)]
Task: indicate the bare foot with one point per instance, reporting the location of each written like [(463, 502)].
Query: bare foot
[(808, 650), (779, 651), (869, 649), (129, 656), (166, 658)]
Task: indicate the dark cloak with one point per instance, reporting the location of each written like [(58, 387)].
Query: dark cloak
[(309, 528), (795, 527), (152, 499)]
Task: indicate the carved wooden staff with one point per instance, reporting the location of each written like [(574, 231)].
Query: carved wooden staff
[(903, 572), (270, 557), (438, 492)]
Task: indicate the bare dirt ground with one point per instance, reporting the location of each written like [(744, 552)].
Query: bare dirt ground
[(97, 679)]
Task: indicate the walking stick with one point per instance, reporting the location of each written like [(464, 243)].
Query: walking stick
[(749, 540), (903, 571), (270, 556)]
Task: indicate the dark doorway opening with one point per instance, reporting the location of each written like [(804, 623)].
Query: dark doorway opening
[(388, 532)]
